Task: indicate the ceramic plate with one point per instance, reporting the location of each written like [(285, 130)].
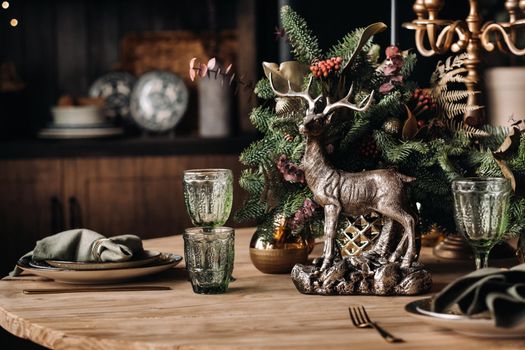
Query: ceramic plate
[(79, 133), (115, 88), (476, 327), (147, 257), (158, 101), (164, 262)]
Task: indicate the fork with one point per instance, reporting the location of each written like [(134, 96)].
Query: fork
[(360, 319)]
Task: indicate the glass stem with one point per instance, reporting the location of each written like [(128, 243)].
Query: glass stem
[(482, 258)]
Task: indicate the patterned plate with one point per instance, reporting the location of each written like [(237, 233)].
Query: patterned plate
[(158, 101), (116, 88)]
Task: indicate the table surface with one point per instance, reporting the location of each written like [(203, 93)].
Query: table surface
[(258, 312)]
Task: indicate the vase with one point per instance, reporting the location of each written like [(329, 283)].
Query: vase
[(278, 254), (214, 108), (505, 90)]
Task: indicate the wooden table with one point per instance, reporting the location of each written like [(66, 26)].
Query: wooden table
[(258, 312)]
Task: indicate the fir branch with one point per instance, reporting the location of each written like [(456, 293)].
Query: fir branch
[(488, 166), (262, 117), (284, 126), (496, 138), (516, 215), (409, 63), (305, 47), (261, 152), (347, 45), (294, 201), (394, 151), (252, 209), (252, 181), (263, 89), (448, 167)]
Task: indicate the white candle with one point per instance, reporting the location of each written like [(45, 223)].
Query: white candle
[(393, 24)]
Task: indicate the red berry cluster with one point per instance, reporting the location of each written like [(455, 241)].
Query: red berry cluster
[(324, 68), (368, 148), (290, 171), (304, 213), (422, 102)]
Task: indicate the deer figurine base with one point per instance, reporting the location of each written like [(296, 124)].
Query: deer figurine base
[(362, 276)]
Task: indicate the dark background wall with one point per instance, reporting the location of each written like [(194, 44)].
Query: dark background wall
[(64, 45)]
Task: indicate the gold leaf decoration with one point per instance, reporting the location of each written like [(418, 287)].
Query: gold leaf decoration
[(369, 31), (451, 103), (410, 127), (289, 71), (510, 144), (507, 173), (468, 130)]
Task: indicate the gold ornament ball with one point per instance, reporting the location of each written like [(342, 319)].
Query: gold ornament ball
[(280, 255), (392, 126)]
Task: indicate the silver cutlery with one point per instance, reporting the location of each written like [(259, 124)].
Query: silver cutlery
[(360, 319), (94, 289)]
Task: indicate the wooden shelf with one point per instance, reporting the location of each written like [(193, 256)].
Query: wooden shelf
[(139, 146)]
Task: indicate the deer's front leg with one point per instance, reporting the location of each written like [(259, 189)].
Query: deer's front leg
[(331, 215)]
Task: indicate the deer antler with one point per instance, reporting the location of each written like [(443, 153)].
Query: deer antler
[(303, 94), (345, 102)]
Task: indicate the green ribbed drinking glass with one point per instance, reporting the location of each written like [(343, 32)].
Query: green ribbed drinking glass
[(208, 195), (480, 208)]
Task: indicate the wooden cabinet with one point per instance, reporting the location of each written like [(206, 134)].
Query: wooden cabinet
[(30, 199), (111, 195)]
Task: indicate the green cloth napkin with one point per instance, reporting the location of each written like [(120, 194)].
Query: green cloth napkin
[(499, 291), (84, 245)]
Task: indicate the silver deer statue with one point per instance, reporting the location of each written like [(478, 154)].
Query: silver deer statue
[(348, 193)]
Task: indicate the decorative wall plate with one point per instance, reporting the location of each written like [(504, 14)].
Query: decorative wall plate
[(158, 101), (115, 88)]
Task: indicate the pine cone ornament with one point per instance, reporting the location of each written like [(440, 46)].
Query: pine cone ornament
[(289, 137), (280, 104), (392, 126), (369, 148)]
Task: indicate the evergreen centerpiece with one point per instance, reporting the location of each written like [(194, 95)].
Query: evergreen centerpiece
[(418, 132)]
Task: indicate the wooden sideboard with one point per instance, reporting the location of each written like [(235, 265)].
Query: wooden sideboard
[(117, 194)]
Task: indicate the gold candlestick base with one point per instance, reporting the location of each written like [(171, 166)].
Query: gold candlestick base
[(453, 247), (456, 247)]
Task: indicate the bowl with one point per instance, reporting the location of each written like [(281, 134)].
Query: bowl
[(77, 115)]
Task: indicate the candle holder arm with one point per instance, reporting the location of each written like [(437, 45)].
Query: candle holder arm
[(500, 33), (441, 42)]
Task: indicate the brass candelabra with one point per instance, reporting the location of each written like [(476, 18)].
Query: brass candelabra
[(470, 35)]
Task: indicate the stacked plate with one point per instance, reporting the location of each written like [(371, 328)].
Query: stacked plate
[(480, 326), (73, 132), (73, 122), (150, 262)]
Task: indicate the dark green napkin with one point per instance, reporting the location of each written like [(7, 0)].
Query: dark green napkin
[(84, 245), (499, 291)]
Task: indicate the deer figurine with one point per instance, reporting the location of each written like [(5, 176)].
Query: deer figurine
[(348, 193)]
